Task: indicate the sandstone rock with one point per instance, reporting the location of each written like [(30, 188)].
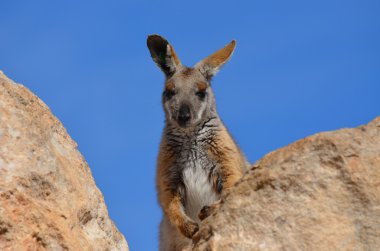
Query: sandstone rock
[(319, 193), (48, 198)]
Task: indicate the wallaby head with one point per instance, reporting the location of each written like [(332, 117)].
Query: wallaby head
[(187, 98)]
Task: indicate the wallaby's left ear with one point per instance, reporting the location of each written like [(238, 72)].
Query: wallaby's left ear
[(211, 65), (163, 54)]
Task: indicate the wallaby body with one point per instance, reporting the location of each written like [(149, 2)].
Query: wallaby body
[(198, 158)]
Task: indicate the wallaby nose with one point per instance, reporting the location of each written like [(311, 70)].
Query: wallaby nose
[(184, 114)]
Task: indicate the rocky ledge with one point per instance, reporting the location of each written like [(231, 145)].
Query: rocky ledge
[(319, 193)]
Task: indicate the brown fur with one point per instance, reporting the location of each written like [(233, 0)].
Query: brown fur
[(218, 58), (174, 55), (169, 200), (187, 72), (169, 85), (228, 155), (202, 86)]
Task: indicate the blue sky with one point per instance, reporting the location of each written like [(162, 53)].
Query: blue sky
[(300, 67)]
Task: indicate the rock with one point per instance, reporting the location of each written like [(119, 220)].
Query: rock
[(48, 198), (319, 193)]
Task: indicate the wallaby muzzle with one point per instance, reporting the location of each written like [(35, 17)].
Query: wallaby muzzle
[(184, 115)]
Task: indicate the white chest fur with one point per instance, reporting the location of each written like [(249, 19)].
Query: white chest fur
[(199, 190)]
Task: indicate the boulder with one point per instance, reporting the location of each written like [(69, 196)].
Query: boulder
[(48, 197), (319, 193)]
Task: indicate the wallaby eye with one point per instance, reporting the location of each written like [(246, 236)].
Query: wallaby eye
[(201, 94), (168, 94)]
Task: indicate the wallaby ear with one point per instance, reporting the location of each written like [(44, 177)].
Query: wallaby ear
[(211, 65), (163, 54)]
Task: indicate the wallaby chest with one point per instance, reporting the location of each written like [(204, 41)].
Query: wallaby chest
[(199, 190), (195, 167)]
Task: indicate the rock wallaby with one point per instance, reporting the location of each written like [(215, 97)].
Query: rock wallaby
[(198, 158)]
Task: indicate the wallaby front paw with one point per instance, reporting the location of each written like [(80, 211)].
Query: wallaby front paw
[(206, 211), (189, 228)]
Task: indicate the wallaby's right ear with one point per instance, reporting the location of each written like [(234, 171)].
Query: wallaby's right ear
[(163, 54)]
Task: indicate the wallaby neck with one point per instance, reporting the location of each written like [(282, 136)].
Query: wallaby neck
[(200, 133)]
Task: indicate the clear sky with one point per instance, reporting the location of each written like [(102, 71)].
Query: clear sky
[(300, 67)]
